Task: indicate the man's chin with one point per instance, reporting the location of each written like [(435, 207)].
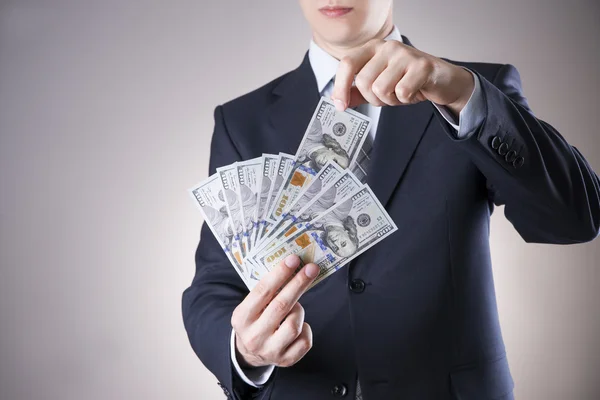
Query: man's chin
[(341, 34)]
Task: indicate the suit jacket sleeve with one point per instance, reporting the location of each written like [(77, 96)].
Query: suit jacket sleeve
[(216, 290), (554, 196)]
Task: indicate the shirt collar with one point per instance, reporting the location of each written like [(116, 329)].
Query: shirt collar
[(324, 65)]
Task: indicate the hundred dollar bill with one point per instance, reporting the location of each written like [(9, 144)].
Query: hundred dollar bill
[(268, 173), (210, 199), (331, 136), (230, 182), (247, 195), (284, 165), (337, 236), (335, 192), (328, 174)]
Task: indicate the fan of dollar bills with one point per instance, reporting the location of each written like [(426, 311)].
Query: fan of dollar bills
[(311, 204)]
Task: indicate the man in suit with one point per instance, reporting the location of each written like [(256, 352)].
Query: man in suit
[(414, 317)]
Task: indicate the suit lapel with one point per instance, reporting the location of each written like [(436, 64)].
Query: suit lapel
[(399, 132), (297, 96)]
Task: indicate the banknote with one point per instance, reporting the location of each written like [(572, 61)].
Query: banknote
[(285, 163), (249, 174), (210, 199), (328, 174), (331, 135), (230, 182), (337, 236), (335, 192), (268, 173)]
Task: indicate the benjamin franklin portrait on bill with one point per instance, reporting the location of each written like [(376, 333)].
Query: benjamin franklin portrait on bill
[(337, 230), (319, 148)]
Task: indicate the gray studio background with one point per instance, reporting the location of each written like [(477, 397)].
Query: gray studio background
[(105, 121)]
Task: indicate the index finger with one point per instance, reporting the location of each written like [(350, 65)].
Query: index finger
[(349, 66), (260, 296), (281, 305)]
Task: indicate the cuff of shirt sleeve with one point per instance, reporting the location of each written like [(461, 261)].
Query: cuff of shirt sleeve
[(255, 377), (471, 116)]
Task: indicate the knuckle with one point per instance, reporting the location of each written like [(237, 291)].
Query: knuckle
[(307, 334), (295, 328), (279, 305), (235, 324), (305, 345), (270, 355), (379, 89), (285, 362), (403, 93), (346, 62), (252, 343), (399, 48), (237, 319), (261, 289), (424, 63), (361, 82), (391, 45), (397, 58)]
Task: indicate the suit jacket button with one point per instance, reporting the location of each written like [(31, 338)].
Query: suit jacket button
[(503, 149), (357, 285), (519, 161), (495, 143), (339, 390), (510, 156)]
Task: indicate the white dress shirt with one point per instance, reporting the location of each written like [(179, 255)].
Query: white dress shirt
[(324, 67)]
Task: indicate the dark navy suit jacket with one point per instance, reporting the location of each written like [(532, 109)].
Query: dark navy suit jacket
[(425, 324)]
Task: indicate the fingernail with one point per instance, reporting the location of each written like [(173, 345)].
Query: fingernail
[(339, 105), (292, 261), (311, 270)]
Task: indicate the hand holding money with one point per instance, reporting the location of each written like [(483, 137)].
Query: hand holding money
[(269, 324), (393, 73)]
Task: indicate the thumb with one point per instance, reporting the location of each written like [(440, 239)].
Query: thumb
[(341, 94)]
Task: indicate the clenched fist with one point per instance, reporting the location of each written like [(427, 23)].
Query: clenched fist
[(269, 324), (392, 73)]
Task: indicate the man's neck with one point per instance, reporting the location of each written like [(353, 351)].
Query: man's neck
[(340, 50)]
